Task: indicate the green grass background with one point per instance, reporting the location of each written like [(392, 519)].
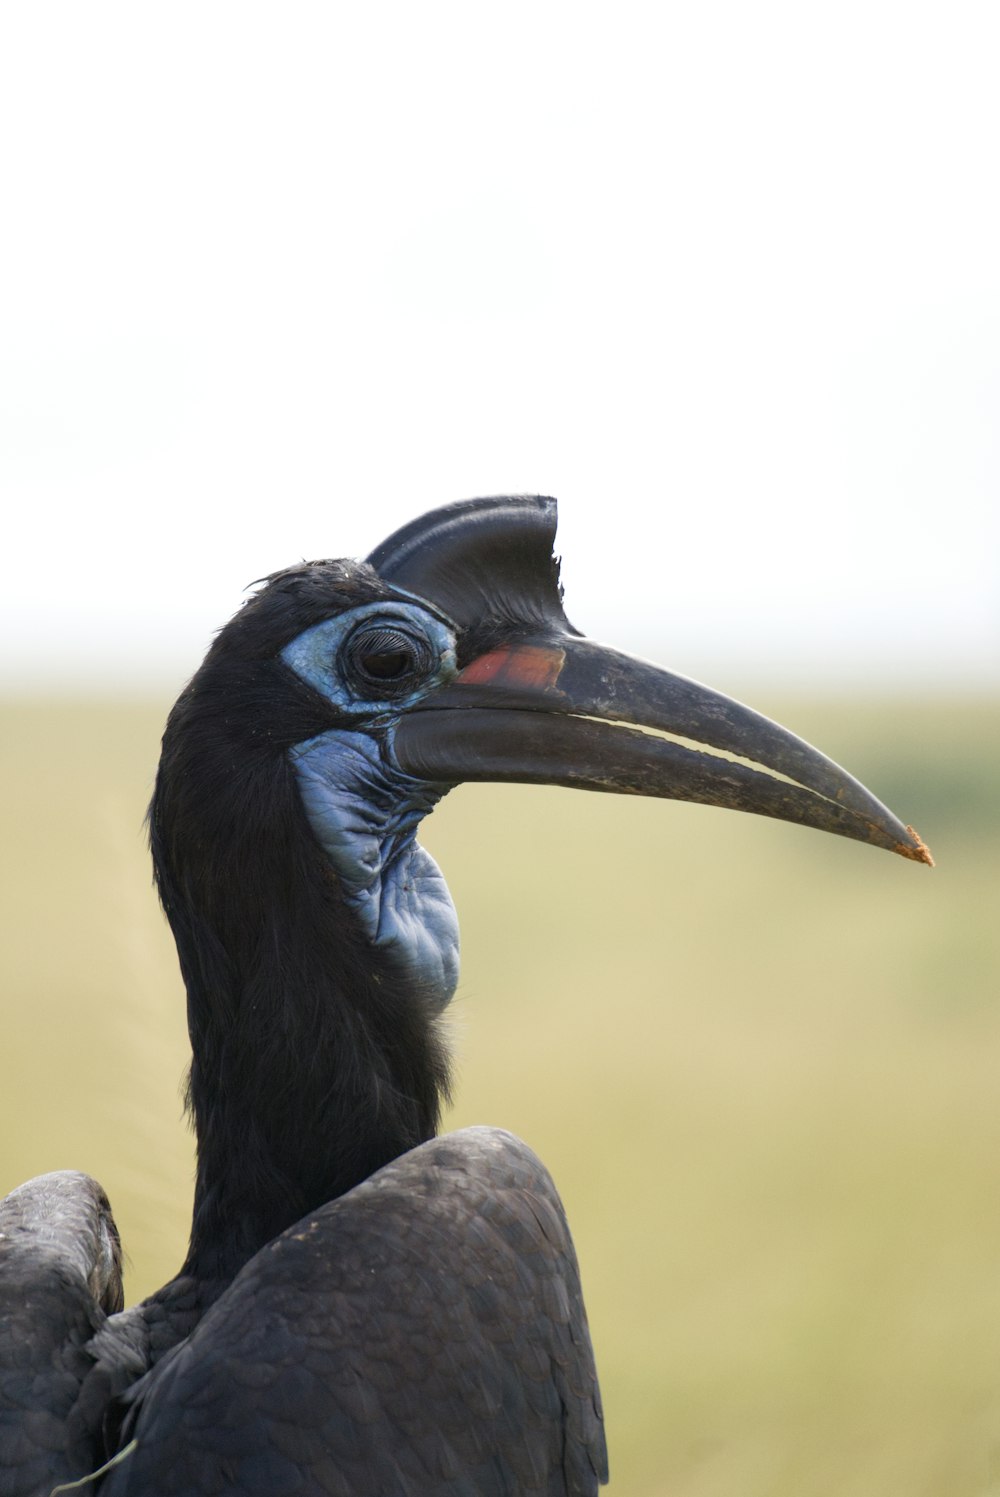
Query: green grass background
[(762, 1065)]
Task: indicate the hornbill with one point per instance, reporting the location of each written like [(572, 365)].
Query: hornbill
[(365, 1309)]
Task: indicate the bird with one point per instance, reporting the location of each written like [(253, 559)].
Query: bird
[(366, 1308)]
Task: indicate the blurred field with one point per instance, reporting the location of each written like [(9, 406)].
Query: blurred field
[(762, 1065)]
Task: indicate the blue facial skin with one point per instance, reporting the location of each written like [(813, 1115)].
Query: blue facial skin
[(365, 810)]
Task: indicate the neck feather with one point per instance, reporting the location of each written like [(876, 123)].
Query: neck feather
[(316, 1057)]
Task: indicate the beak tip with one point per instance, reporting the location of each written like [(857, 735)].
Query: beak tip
[(917, 850)]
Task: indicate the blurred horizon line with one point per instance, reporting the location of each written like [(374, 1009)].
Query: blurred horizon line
[(822, 684)]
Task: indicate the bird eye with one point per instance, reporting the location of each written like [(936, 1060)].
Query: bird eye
[(386, 656)]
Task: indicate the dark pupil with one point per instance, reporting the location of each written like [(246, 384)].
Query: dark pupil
[(386, 664), (385, 655)]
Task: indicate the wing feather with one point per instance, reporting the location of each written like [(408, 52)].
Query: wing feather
[(422, 1336)]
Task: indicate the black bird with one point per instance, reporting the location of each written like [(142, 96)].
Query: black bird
[(365, 1309)]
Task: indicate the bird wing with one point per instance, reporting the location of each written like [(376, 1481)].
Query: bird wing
[(60, 1278), (422, 1336)]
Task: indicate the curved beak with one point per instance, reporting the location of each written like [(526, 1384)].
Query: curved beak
[(561, 710)]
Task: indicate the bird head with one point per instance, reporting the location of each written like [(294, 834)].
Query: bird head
[(446, 657)]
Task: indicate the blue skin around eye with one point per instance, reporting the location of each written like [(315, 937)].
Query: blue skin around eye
[(365, 811), (315, 656)]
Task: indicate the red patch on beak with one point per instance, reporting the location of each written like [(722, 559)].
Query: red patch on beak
[(536, 666)]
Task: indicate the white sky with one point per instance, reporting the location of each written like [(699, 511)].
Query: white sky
[(724, 277)]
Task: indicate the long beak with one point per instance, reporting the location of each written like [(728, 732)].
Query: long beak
[(570, 712)]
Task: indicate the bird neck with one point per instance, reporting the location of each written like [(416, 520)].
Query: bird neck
[(317, 1056)]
